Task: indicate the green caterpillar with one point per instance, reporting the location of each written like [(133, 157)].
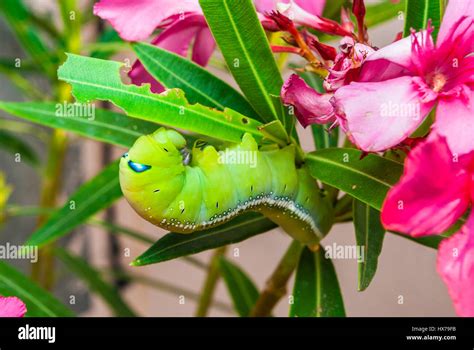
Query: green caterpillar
[(186, 192)]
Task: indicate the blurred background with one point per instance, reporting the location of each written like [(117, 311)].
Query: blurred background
[(406, 282)]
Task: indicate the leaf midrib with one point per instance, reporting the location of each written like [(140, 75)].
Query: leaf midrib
[(83, 121), (172, 105), (317, 262), (326, 160), (92, 198), (217, 232), (260, 84), (184, 82)]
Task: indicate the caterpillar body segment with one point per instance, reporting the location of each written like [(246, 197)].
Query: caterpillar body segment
[(187, 192)]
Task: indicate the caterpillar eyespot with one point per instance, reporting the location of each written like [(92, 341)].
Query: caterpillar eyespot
[(137, 167), (206, 187)]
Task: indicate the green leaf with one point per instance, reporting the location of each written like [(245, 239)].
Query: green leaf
[(240, 36), (434, 240), (418, 12), (369, 235), (104, 125), (316, 290), (242, 290), (275, 132), (95, 282), (39, 303), (200, 86), (107, 44), (332, 9), (20, 21), (93, 79), (383, 11), (175, 245), (93, 196), (14, 145), (366, 179), (427, 241), (323, 138)]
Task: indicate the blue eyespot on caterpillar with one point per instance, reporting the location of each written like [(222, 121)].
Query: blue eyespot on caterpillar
[(186, 191)]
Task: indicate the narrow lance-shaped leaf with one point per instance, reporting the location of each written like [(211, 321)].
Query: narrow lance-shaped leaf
[(369, 237), (242, 290), (95, 195), (175, 245), (240, 36), (200, 86), (15, 145), (39, 302), (94, 79), (316, 292), (98, 124), (383, 11), (95, 282), (418, 12), (19, 18), (366, 179)]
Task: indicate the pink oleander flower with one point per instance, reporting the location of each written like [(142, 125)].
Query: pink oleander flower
[(311, 107), (183, 23), (401, 83), (436, 189), (347, 64), (12, 307), (305, 13), (182, 20)]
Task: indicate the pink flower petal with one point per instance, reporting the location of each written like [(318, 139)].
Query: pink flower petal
[(177, 38), (139, 76), (136, 20), (432, 193), (300, 16), (456, 266), (380, 115), (454, 12), (389, 62), (310, 106), (264, 6), (204, 46), (393, 60), (12, 307), (455, 121), (314, 7)]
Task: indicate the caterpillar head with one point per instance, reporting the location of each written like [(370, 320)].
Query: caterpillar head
[(152, 159)]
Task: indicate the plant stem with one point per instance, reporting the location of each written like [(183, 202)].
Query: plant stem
[(275, 287), (43, 270), (210, 283)]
